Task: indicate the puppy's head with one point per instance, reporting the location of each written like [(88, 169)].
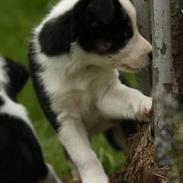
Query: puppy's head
[(13, 76), (107, 30)]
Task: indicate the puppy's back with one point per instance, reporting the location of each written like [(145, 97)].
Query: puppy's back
[(20, 154)]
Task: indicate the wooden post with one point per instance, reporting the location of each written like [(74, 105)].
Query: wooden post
[(161, 45), (162, 82), (144, 24)]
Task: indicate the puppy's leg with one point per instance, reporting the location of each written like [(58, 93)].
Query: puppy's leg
[(121, 101), (75, 140), (74, 170)]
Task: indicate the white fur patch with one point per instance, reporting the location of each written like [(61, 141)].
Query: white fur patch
[(12, 108), (62, 7), (130, 9)]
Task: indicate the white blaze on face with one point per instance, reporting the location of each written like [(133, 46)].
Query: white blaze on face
[(135, 55)]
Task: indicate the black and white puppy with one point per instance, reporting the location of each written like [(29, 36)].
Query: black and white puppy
[(75, 55), (21, 159)]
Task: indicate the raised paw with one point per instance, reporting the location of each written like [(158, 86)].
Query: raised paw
[(143, 108), (146, 107)]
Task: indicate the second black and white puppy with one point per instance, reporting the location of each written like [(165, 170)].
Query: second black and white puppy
[(21, 159), (75, 55)]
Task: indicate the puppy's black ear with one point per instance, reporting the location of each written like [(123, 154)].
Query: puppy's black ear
[(18, 76), (101, 10)]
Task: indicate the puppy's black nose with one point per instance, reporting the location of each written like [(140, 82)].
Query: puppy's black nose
[(150, 56)]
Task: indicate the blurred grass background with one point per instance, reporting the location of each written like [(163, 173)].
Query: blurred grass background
[(17, 19)]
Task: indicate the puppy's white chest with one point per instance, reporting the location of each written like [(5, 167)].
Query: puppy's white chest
[(78, 93)]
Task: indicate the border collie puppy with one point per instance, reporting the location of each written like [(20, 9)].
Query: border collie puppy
[(21, 159), (75, 57)]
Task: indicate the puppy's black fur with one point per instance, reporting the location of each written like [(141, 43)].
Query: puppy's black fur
[(42, 96), (18, 76), (21, 159), (21, 156), (90, 24)]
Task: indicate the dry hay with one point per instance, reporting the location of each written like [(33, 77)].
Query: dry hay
[(141, 167)]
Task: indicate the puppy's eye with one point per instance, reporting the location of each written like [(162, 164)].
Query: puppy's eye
[(103, 46)]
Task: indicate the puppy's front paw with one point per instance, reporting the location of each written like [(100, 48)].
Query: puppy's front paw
[(143, 109), (94, 175), (146, 107)]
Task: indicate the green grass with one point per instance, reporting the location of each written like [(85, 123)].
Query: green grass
[(17, 19)]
